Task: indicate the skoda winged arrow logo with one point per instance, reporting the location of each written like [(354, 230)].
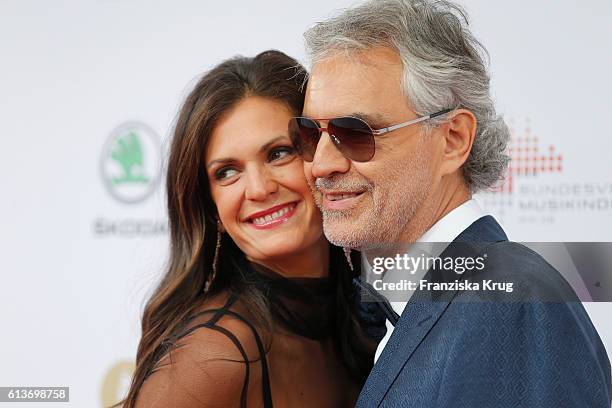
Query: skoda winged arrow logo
[(130, 163)]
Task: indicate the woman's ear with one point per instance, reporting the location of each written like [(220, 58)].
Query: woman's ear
[(458, 139)]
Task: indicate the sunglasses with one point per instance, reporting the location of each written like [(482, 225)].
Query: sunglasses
[(353, 137)]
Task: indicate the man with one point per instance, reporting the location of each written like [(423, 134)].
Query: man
[(382, 187)]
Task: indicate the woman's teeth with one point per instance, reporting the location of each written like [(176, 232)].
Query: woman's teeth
[(336, 197), (273, 216)]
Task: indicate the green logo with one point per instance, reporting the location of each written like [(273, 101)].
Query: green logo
[(130, 162), (127, 152)]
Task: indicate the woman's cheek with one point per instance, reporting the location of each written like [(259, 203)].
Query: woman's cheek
[(228, 205)]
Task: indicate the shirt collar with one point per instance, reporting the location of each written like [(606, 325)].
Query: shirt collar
[(449, 227), (445, 230)]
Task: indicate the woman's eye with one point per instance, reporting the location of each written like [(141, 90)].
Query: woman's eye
[(225, 173), (280, 153)]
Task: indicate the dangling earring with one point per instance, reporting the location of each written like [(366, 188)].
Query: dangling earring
[(347, 254), (215, 263)]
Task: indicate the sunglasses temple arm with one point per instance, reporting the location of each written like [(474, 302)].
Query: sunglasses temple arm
[(410, 122)]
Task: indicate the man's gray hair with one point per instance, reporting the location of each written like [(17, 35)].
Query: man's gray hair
[(444, 67)]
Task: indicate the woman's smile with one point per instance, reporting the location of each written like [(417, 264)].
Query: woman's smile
[(273, 216)]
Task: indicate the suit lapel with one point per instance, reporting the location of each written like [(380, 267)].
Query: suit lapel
[(424, 310)]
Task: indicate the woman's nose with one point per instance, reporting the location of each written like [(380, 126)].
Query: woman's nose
[(259, 184)]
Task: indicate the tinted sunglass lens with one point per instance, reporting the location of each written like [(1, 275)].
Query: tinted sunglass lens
[(354, 138), (304, 134)]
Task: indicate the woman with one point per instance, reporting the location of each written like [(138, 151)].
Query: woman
[(250, 312)]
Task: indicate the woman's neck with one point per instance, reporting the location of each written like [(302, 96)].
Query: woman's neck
[(312, 262)]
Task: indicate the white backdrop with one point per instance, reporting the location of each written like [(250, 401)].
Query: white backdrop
[(78, 261)]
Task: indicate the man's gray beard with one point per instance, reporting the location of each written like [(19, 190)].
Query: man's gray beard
[(382, 224), (370, 231)]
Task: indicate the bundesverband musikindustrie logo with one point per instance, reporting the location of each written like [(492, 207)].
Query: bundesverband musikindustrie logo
[(130, 163)]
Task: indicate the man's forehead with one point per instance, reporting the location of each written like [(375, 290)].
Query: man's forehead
[(379, 57), (347, 82)]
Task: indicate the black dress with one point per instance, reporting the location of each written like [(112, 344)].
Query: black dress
[(305, 309)]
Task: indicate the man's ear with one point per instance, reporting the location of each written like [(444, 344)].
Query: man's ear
[(459, 132)]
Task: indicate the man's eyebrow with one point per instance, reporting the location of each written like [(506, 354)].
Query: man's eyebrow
[(370, 118), (262, 149)]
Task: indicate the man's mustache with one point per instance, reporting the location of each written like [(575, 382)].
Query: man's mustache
[(342, 184)]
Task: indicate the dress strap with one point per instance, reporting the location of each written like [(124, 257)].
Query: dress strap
[(265, 375), (232, 337), (212, 324)]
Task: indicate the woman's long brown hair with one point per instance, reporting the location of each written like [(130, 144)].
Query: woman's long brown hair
[(191, 211)]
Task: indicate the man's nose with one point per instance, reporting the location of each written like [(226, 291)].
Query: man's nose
[(327, 159), (260, 184)]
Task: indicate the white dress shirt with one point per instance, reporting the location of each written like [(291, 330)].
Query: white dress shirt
[(443, 233)]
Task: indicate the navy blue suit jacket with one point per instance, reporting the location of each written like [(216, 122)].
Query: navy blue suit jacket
[(535, 347)]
